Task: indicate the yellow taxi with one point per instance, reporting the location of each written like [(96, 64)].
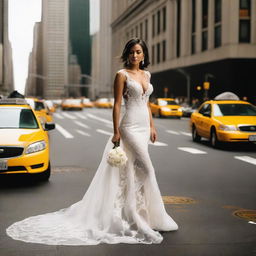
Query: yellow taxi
[(103, 103), (224, 121), (51, 106), (41, 110), (24, 143), (165, 107), (87, 103), (72, 104)]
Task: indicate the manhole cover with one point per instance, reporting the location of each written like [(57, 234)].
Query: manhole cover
[(246, 214), (178, 200)]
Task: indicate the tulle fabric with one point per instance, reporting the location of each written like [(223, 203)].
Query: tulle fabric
[(121, 205)]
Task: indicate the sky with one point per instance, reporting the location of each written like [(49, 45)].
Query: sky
[(22, 16)]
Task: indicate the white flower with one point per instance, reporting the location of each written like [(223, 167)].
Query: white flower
[(117, 157)]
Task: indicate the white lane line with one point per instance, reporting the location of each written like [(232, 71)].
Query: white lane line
[(192, 150), (247, 159), (82, 125), (104, 132), (58, 115), (99, 119), (81, 116), (186, 133), (172, 132), (68, 116), (64, 132), (83, 133), (252, 222), (158, 143)]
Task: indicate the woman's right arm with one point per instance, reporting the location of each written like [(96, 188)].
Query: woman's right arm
[(118, 93)]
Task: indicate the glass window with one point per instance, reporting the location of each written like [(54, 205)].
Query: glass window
[(153, 25), (153, 55), (164, 18), (245, 4), (235, 109), (166, 102), (193, 16), (141, 30), (193, 44), (158, 53), (178, 28), (217, 36), (204, 40), (158, 22), (164, 50), (205, 13), (16, 118), (217, 8), (205, 109), (244, 31), (146, 30)]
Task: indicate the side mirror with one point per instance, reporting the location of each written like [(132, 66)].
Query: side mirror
[(49, 126)]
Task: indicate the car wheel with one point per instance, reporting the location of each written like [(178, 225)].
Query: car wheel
[(44, 176), (195, 136), (215, 143), (159, 114)]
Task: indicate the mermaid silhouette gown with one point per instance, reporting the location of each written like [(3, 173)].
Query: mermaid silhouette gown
[(121, 205)]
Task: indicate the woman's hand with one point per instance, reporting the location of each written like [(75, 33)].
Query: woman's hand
[(153, 134), (116, 137)]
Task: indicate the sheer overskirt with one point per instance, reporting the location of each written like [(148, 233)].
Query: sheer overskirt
[(121, 205)]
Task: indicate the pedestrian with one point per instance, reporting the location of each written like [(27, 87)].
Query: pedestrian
[(123, 203)]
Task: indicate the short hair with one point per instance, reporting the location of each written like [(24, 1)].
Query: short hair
[(127, 48)]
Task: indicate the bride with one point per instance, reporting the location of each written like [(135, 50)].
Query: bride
[(122, 204)]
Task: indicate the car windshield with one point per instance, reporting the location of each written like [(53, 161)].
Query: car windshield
[(102, 100), (39, 105), (235, 109), (73, 101), (166, 102), (17, 118)]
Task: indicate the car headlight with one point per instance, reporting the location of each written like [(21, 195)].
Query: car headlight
[(35, 147), (165, 109), (227, 127), (180, 109)]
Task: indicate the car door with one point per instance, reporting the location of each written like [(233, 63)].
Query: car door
[(206, 120)]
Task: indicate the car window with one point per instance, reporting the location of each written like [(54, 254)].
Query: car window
[(39, 105), (235, 109), (17, 118), (206, 108), (166, 102)]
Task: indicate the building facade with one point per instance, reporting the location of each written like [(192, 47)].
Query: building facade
[(55, 31), (6, 63), (191, 42)]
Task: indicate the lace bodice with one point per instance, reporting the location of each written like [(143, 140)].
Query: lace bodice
[(134, 93)]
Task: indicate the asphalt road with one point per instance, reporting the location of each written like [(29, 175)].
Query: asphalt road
[(203, 189)]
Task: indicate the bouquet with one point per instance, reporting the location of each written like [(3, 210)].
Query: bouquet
[(116, 156)]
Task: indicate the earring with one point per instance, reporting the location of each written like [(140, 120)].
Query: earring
[(142, 63)]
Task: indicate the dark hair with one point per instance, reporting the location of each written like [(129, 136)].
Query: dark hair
[(127, 49)]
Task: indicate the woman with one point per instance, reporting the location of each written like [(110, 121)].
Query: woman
[(121, 205)]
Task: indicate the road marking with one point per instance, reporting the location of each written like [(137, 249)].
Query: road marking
[(83, 133), (172, 132), (99, 119), (186, 133), (252, 222), (64, 132), (158, 143), (104, 132), (81, 116), (68, 116), (58, 116), (192, 150), (82, 125), (247, 159)]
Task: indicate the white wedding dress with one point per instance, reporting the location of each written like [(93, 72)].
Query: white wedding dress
[(121, 205)]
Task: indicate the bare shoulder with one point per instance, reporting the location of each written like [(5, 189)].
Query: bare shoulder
[(147, 73), (120, 75)]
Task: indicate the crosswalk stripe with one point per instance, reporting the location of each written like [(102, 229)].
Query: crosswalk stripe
[(172, 132), (186, 133), (68, 116), (99, 118), (81, 116), (82, 125), (158, 143), (64, 132), (104, 132), (83, 133), (192, 150), (247, 159), (58, 115)]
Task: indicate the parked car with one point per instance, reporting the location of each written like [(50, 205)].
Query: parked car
[(72, 104), (224, 121), (24, 142), (165, 107)]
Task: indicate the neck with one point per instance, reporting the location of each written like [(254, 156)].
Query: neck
[(134, 67)]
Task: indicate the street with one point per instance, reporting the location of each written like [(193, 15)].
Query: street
[(203, 189)]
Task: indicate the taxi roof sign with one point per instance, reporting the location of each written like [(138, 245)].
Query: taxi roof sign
[(13, 101)]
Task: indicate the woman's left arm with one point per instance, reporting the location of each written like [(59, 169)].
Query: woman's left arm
[(153, 134)]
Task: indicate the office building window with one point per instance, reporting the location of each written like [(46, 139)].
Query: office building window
[(178, 29), (217, 23), (153, 54), (141, 30), (132, 33), (158, 56), (136, 31), (153, 25), (158, 22), (193, 23), (164, 50), (146, 29), (245, 21), (204, 25), (204, 40), (164, 18)]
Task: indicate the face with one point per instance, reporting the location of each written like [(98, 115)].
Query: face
[(136, 55)]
